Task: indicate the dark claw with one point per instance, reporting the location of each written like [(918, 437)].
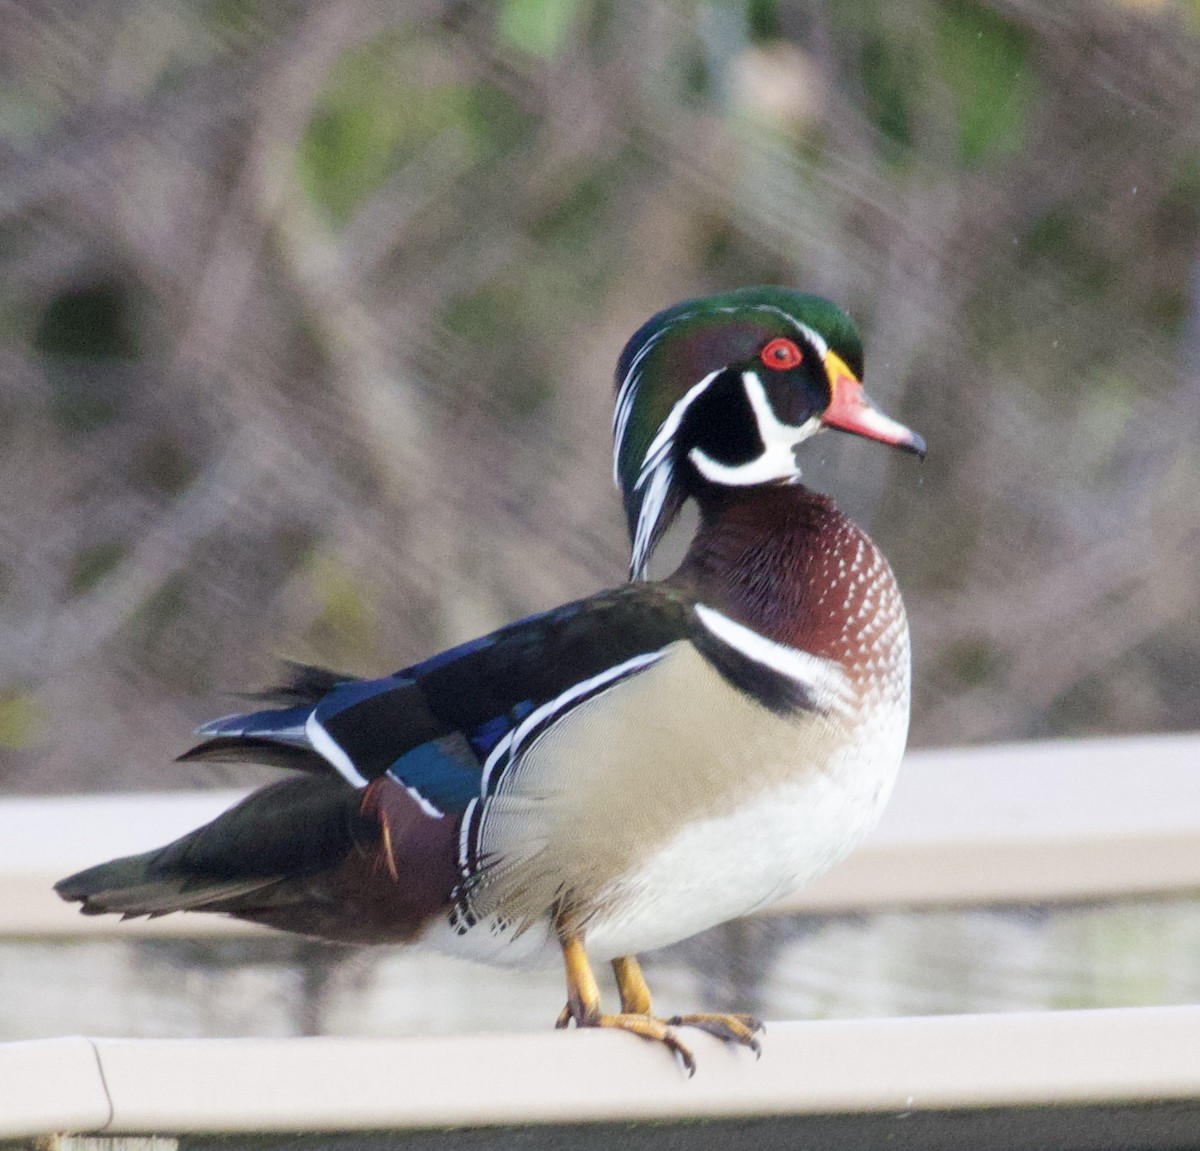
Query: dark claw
[(684, 1056), (738, 1029)]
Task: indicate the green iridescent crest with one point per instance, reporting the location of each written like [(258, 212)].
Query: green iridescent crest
[(674, 358)]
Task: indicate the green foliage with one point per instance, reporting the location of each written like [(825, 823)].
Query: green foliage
[(983, 59), (346, 623), (968, 60), (480, 317), (91, 564), (80, 330), (538, 27), (973, 662), (88, 324), (22, 719), (383, 104), (762, 20), (1061, 244), (486, 321), (156, 615), (573, 223), (889, 79), (696, 76)]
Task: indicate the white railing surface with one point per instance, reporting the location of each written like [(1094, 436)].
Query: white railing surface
[(1026, 823), (897, 1067), (1021, 824)]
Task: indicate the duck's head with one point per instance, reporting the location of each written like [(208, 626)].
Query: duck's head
[(720, 392)]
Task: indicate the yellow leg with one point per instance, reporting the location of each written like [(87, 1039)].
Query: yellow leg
[(583, 1003), (631, 983), (635, 1000)]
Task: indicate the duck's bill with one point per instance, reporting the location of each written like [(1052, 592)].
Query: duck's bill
[(851, 410)]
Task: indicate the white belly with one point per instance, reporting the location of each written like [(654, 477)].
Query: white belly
[(735, 864), (651, 825), (721, 867)]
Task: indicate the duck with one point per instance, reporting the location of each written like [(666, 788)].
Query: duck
[(621, 772)]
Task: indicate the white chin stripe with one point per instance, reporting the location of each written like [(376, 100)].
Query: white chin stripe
[(324, 744), (778, 458), (823, 679)]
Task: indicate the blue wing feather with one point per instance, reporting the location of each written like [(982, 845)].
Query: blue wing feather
[(432, 726), (282, 725)]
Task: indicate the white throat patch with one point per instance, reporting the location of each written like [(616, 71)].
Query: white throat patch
[(778, 458)]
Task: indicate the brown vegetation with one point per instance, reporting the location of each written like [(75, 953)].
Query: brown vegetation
[(308, 314)]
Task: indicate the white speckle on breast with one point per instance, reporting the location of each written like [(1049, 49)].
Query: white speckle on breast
[(675, 802)]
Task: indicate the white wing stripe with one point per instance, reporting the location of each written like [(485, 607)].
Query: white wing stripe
[(510, 746), (428, 808), (464, 838), (325, 745), (498, 752)]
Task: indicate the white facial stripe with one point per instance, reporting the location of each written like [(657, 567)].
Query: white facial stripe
[(656, 471), (815, 338), (625, 398), (777, 460), (648, 516), (627, 393), (510, 746), (661, 444), (324, 744), (822, 678)]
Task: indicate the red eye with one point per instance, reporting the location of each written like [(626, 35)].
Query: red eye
[(781, 354)]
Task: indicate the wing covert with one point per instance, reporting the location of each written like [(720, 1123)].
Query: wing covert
[(445, 727)]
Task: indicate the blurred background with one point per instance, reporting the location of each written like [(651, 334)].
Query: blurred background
[(308, 315)]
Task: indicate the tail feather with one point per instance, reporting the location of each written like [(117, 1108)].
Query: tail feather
[(307, 685), (280, 725), (243, 749), (132, 887), (309, 854), (287, 831)]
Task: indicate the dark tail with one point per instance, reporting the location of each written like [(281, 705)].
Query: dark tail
[(283, 833), (310, 854)]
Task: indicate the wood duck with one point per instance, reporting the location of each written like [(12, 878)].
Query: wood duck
[(620, 772)]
